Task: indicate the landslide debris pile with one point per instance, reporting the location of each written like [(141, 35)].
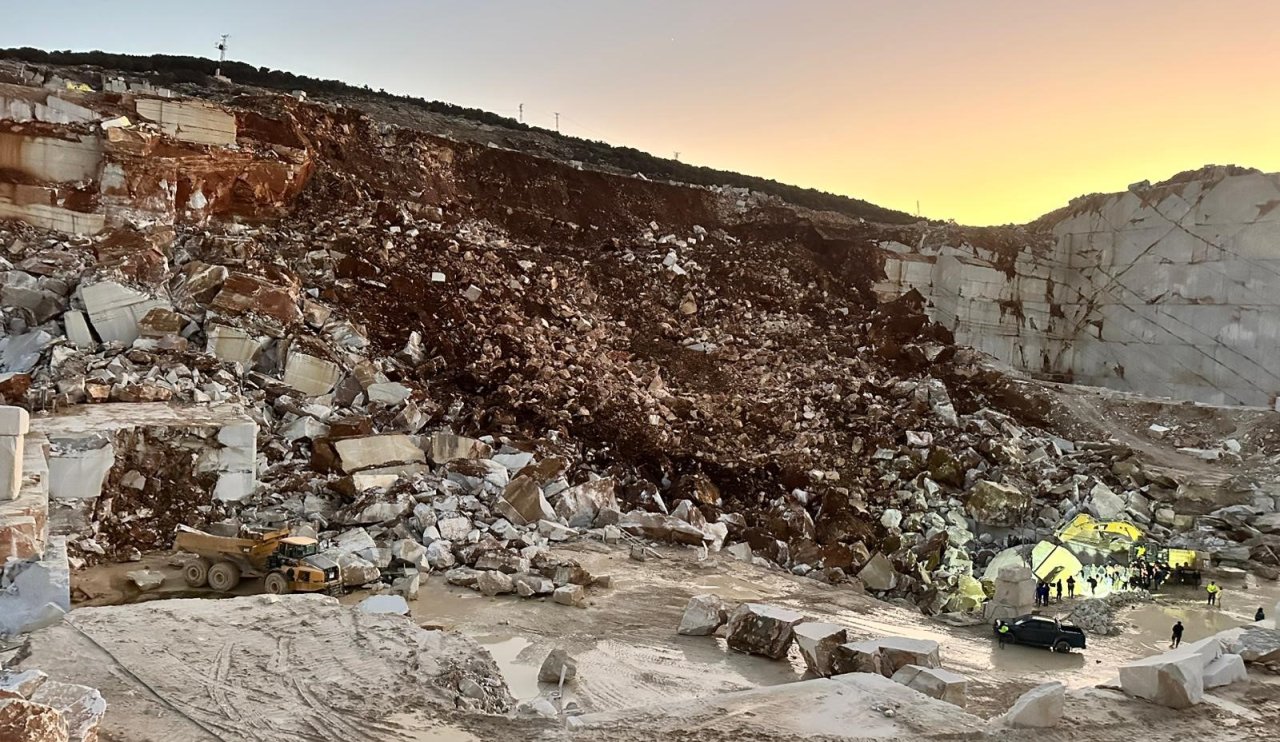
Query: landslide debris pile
[(456, 353)]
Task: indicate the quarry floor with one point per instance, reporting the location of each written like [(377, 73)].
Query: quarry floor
[(630, 658)]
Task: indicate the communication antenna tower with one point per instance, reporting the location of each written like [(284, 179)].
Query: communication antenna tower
[(221, 46)]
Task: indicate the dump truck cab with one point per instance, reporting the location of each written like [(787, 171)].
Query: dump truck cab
[(298, 560), (294, 549)]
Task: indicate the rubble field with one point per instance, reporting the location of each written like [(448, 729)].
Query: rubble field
[(547, 406)]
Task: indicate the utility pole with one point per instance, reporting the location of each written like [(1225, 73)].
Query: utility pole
[(221, 46), (557, 122), (521, 113)]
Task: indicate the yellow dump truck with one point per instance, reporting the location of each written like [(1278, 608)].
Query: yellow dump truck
[(289, 563)]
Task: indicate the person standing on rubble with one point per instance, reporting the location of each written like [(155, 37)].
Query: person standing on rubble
[(1093, 585), (1177, 636), (1058, 588), (1071, 587), (1213, 591)]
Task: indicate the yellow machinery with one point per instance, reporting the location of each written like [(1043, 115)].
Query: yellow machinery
[(1124, 540), (1087, 531), (290, 563)]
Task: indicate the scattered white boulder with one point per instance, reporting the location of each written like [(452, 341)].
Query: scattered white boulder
[(1015, 594), (762, 629), (1258, 645), (1039, 708), (558, 667), (887, 655), (570, 595), (878, 574), (355, 570), (818, 643), (1174, 678), (146, 579), (528, 585), (1227, 669), (1107, 505), (703, 615), (578, 506), (439, 555), (492, 582), (935, 682)]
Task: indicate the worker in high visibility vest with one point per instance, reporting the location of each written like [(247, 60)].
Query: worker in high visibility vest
[(1002, 634), (1213, 591)]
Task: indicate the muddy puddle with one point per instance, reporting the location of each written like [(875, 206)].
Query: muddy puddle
[(1151, 624), (415, 728)]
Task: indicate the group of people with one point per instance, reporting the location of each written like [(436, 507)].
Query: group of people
[(1043, 590), (1141, 575)]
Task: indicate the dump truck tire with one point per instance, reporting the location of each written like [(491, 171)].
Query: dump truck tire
[(224, 576), (277, 584), (196, 572)]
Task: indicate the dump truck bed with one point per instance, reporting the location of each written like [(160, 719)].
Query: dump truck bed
[(248, 553)]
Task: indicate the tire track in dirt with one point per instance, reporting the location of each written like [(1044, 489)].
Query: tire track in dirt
[(216, 682)]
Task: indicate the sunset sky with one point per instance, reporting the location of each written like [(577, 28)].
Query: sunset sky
[(984, 111)]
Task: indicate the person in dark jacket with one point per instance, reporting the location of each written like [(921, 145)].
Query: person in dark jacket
[(1071, 587), (1058, 588), (1259, 616), (1177, 635)]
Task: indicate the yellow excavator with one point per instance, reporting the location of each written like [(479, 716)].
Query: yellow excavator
[(289, 563), (1119, 537)]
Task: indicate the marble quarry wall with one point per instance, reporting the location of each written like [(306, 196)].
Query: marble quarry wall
[(1168, 290)]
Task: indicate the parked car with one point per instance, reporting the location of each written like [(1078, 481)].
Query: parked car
[(1041, 631)]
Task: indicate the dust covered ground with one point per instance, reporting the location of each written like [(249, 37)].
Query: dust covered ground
[(259, 668), (209, 667)]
